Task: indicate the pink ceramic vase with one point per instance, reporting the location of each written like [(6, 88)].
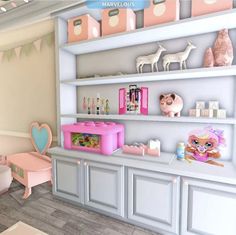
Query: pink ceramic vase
[(208, 58)]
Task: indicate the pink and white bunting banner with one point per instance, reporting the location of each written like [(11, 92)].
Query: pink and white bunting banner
[(18, 51), (37, 44)]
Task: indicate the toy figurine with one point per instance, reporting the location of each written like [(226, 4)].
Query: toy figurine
[(98, 104), (102, 106), (179, 57), (203, 145), (84, 104), (89, 109), (171, 105), (107, 108), (149, 59), (93, 106)]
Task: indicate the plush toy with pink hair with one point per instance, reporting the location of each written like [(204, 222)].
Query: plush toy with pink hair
[(203, 145)]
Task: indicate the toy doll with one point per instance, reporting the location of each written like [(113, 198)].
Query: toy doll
[(203, 145)]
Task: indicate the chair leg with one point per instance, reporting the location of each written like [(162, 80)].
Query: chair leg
[(27, 193)]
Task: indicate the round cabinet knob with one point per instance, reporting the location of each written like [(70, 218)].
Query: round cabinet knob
[(85, 163), (78, 162), (174, 180)]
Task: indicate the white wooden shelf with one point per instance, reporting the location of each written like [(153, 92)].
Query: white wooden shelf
[(226, 174), (178, 29), (156, 76), (151, 118)]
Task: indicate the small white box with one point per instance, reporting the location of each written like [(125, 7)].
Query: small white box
[(207, 113), (213, 104), (221, 113), (194, 112), (200, 105)]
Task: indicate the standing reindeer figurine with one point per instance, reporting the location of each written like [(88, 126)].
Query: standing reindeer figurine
[(179, 57), (149, 59)]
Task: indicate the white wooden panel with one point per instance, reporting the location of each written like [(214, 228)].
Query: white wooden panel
[(208, 209), (68, 99), (104, 187), (153, 199), (67, 179)]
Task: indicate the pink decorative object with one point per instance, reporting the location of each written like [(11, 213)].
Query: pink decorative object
[(161, 11), (202, 7), (135, 100), (223, 49), (203, 145), (171, 104), (34, 168), (83, 28), (208, 58), (117, 21), (99, 137)]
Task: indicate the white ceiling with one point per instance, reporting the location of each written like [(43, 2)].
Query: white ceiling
[(31, 12)]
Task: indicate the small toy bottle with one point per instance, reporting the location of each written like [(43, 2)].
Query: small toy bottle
[(98, 104), (180, 151)]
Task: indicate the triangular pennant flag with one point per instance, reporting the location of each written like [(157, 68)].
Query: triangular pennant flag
[(49, 38), (18, 51), (37, 44), (27, 48), (9, 54), (1, 56)]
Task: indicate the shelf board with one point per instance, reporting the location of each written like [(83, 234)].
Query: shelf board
[(151, 118), (156, 76), (226, 174), (182, 28)]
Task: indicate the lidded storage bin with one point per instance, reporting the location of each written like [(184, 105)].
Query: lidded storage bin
[(117, 21), (83, 28), (161, 11), (202, 7)]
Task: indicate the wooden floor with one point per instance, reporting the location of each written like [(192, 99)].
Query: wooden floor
[(57, 217)]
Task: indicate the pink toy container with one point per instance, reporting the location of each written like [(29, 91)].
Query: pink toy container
[(161, 11), (117, 21), (202, 7), (99, 137), (83, 28)]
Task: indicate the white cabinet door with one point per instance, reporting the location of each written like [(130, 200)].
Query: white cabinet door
[(153, 199), (104, 187), (208, 208), (67, 178)]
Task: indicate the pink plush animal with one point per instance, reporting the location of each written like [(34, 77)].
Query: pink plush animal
[(171, 104)]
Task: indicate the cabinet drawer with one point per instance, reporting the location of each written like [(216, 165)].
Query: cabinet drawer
[(208, 208), (153, 199), (104, 187), (67, 178)]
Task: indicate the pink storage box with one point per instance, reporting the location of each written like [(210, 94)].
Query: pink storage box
[(83, 28), (100, 137), (202, 7), (161, 11), (117, 21)]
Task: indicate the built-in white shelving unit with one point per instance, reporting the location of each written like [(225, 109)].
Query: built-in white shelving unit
[(138, 189)]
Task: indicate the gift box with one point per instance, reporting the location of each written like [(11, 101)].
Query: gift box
[(117, 21), (202, 7), (83, 28), (161, 11)]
